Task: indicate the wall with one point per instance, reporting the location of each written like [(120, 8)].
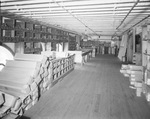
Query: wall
[(10, 46)]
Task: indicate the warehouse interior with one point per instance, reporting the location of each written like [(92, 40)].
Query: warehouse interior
[(74, 59)]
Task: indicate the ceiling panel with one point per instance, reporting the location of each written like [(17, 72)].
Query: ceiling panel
[(99, 17)]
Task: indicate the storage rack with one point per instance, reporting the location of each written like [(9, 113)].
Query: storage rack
[(14, 31), (72, 42), (146, 60), (14, 28), (61, 67)]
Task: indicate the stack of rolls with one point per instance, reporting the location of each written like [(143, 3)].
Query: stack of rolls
[(23, 79)]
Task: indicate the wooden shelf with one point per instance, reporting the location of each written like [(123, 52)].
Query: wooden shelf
[(146, 57), (22, 27), (61, 66), (72, 43)]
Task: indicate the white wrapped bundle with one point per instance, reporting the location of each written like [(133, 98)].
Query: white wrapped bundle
[(21, 76), (134, 72), (40, 85), (126, 75), (46, 74), (138, 77), (135, 67), (17, 106), (13, 86), (138, 91), (123, 71), (35, 94), (49, 53), (147, 77), (33, 86), (144, 88), (28, 106), (28, 57), (38, 79), (26, 100), (132, 67), (49, 73), (9, 103), (34, 90), (148, 97), (41, 70), (125, 67), (138, 84), (11, 116), (21, 64), (1, 99), (35, 101), (35, 98), (45, 61), (61, 54), (47, 83), (48, 87), (42, 76), (135, 79), (32, 68)]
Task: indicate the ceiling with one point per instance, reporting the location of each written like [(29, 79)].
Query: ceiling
[(93, 17)]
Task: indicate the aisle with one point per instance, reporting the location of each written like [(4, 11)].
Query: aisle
[(96, 90)]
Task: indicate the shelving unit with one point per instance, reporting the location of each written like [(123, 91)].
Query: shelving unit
[(72, 43), (139, 72), (15, 28), (146, 60), (32, 48), (61, 67)]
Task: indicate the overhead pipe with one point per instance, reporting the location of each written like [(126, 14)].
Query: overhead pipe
[(136, 23), (74, 16), (128, 13)]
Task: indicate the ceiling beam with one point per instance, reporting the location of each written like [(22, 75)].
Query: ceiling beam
[(137, 23), (74, 11), (128, 13), (46, 8), (72, 3)]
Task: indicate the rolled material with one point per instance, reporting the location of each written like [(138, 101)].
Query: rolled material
[(28, 106), (9, 103), (17, 105), (28, 57), (13, 86), (1, 99), (27, 77)]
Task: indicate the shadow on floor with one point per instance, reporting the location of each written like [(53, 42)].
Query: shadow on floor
[(24, 117)]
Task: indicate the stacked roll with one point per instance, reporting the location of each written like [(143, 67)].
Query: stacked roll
[(24, 79)]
